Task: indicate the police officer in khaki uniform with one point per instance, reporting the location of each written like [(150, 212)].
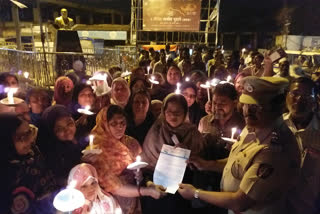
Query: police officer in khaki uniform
[(264, 162)]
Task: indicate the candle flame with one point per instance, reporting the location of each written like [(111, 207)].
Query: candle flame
[(233, 131), (229, 78), (26, 75), (91, 138), (178, 89), (87, 108), (138, 158), (187, 79), (215, 82)]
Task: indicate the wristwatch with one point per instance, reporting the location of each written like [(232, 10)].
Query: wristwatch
[(196, 193)]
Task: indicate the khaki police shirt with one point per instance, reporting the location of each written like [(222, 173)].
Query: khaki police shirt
[(264, 165), (304, 196), (208, 124)]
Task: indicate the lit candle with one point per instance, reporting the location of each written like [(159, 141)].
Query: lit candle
[(229, 78), (153, 81), (243, 50), (207, 86), (187, 79), (178, 89), (26, 75), (233, 131), (215, 82), (138, 158), (91, 141), (209, 97), (10, 92), (222, 51), (88, 82)]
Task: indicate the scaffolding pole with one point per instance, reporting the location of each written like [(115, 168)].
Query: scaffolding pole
[(217, 23)]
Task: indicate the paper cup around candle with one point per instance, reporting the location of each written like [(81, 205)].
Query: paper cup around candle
[(26, 75), (229, 78), (125, 74), (137, 165), (68, 200), (85, 110)]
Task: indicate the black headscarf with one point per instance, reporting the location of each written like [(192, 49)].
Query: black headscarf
[(74, 104), (60, 156), (9, 122)]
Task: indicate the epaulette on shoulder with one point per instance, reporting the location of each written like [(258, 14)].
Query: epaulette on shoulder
[(275, 144)]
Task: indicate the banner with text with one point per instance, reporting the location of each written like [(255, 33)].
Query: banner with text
[(171, 15)]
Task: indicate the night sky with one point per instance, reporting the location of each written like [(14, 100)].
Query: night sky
[(236, 15)]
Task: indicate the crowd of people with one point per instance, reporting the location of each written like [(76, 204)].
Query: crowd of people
[(253, 135)]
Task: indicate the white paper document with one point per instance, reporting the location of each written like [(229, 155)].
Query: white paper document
[(170, 167)]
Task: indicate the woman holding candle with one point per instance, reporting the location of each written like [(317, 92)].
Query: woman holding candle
[(118, 151), (57, 141), (140, 118), (25, 178), (83, 97), (86, 178), (170, 123), (173, 77), (195, 113)]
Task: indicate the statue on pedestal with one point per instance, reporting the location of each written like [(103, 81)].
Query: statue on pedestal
[(63, 21)]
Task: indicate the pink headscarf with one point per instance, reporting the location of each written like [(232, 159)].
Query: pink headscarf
[(104, 203)]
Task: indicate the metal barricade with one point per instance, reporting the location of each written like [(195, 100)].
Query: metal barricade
[(18, 62)]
